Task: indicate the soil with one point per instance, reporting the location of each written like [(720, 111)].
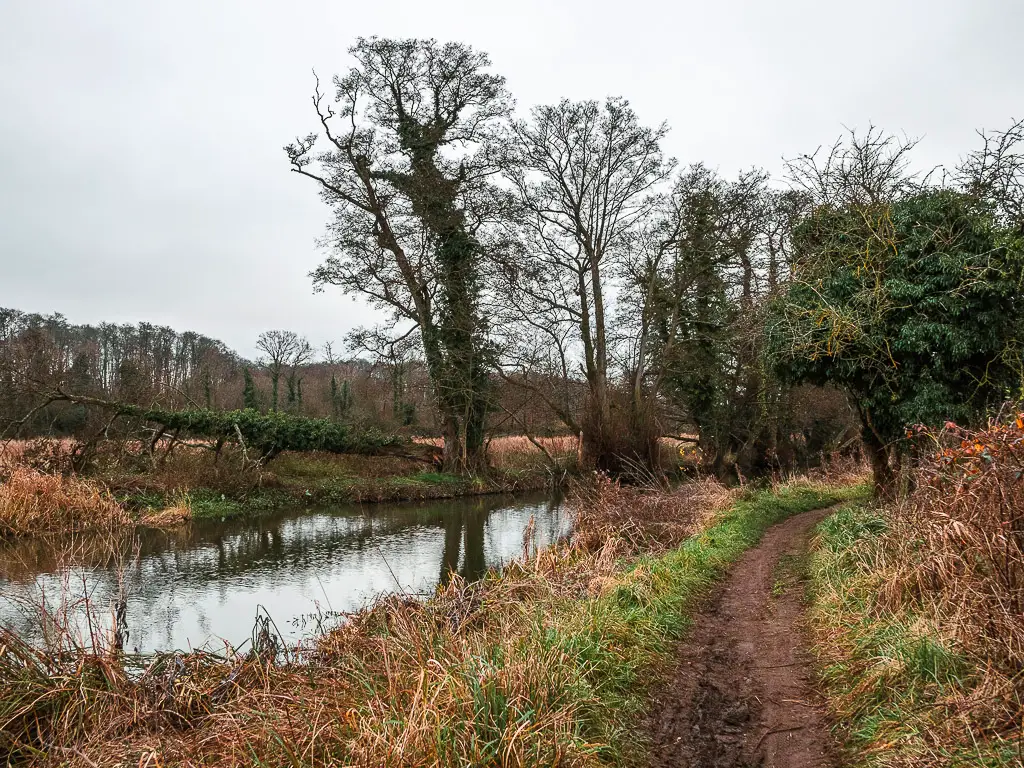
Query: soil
[(742, 693)]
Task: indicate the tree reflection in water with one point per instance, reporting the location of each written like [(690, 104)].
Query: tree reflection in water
[(192, 585)]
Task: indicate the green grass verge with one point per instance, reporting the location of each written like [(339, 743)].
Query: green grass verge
[(333, 478), (617, 640), (207, 503), (895, 685)]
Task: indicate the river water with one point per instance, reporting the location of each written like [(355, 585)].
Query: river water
[(204, 583)]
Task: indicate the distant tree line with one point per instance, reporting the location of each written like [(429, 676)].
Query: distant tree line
[(157, 367)]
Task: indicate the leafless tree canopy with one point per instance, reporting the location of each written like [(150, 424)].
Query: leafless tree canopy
[(585, 174), (858, 169), (995, 172)]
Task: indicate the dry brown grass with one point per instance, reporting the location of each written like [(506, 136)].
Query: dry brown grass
[(921, 607), (512, 452), (128, 466), (517, 451), (841, 469), (167, 517), (11, 452), (966, 521), (644, 521), (312, 465), (35, 502), (45, 454), (482, 673), (131, 470)]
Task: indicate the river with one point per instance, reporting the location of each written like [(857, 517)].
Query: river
[(203, 584)]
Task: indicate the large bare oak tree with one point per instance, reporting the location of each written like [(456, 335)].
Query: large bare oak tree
[(409, 153)]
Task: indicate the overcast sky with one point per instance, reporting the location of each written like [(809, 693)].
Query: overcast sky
[(142, 177)]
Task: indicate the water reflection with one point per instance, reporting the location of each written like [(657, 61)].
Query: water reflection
[(191, 586)]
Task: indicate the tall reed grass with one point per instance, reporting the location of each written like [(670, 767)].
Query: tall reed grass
[(36, 502)]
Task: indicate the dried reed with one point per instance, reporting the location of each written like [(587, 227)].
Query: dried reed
[(36, 502)]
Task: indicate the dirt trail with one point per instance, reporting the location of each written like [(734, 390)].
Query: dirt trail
[(741, 694)]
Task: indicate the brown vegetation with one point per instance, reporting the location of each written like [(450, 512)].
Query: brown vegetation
[(965, 522), (920, 610), (647, 522), (481, 672), (163, 487), (35, 502)]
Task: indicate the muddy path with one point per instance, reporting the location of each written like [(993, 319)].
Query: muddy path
[(741, 695)]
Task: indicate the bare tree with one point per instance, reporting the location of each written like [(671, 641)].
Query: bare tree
[(857, 170), (585, 174), (392, 352), (995, 172), (285, 351), (407, 171)]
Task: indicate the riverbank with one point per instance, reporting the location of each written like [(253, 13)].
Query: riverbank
[(282, 491), (918, 615), (41, 494), (547, 662)]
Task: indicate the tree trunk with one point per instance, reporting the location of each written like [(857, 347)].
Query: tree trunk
[(452, 458), (592, 444), (600, 388), (882, 472), (476, 423)]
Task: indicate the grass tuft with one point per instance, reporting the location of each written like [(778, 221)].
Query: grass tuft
[(34, 502)]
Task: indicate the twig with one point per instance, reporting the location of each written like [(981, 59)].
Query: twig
[(388, 565), (775, 731)]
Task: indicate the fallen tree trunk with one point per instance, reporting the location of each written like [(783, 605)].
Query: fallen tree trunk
[(265, 434)]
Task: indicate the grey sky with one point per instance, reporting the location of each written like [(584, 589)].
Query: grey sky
[(142, 177)]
